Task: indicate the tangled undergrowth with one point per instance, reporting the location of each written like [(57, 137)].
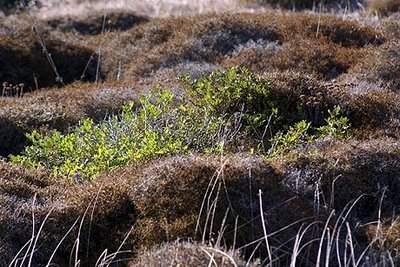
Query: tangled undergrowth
[(250, 139)]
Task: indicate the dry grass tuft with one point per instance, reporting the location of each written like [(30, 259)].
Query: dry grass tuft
[(88, 212), (388, 235), (229, 187), (186, 254), (383, 7), (98, 22), (32, 67), (343, 171)]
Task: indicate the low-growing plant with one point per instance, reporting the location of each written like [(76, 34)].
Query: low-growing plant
[(159, 125), (236, 90), (226, 109), (244, 96), (337, 125), (296, 134)]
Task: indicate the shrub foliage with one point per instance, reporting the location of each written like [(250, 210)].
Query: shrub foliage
[(153, 128), (223, 109)]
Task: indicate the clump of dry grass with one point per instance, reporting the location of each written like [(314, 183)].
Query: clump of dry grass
[(187, 254), (383, 7), (387, 234), (39, 61), (69, 220), (381, 65), (98, 22), (207, 198)]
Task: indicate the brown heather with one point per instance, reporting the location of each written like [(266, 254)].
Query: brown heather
[(383, 7), (300, 4), (187, 254), (381, 65), (312, 63), (177, 187), (214, 39), (98, 22), (23, 60), (99, 210), (346, 170)]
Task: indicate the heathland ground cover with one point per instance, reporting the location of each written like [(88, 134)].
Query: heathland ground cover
[(264, 133)]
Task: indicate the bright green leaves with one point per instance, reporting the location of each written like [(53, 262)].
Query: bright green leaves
[(283, 142), (159, 125), (337, 125), (225, 110), (235, 91)]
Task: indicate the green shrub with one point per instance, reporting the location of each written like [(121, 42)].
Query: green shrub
[(283, 142), (337, 125), (235, 91), (233, 108), (159, 125)]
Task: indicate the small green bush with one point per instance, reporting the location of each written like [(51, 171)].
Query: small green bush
[(337, 126), (233, 108), (236, 91), (159, 125), (282, 142)]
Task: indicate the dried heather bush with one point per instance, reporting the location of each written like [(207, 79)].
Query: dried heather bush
[(391, 27), (187, 254), (343, 32), (177, 187), (98, 22), (320, 58), (381, 65), (375, 112), (383, 7), (340, 172), (32, 66), (257, 40), (301, 97), (87, 211), (299, 4)]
